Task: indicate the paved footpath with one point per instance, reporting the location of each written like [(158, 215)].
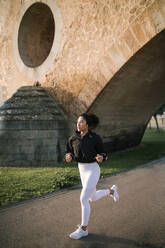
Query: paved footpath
[(136, 221)]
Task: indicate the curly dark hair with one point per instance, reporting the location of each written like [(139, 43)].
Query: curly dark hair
[(91, 119)]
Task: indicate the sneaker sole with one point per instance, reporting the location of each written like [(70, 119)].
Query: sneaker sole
[(80, 237)]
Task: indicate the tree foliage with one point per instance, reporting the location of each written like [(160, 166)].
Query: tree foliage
[(160, 111)]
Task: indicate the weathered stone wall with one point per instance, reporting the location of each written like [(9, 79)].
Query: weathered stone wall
[(94, 39), (33, 129), (98, 37)]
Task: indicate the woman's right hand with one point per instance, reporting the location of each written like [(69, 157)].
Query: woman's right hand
[(68, 157)]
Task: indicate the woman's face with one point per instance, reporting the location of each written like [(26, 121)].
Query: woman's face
[(82, 124)]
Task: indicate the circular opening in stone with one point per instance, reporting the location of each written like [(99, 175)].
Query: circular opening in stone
[(36, 34)]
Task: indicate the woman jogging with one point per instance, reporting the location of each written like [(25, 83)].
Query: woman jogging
[(86, 148)]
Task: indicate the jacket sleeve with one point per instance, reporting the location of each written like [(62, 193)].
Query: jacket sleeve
[(69, 148), (99, 147)]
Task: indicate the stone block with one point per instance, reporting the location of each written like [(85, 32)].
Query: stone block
[(116, 56), (32, 125), (158, 19), (105, 70), (147, 25), (161, 4), (3, 94), (98, 76), (124, 48), (139, 33), (131, 41)]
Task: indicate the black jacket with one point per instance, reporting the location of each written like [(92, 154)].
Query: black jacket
[(85, 148)]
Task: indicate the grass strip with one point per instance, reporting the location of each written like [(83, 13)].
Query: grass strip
[(21, 183)]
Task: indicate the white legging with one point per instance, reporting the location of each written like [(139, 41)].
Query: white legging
[(89, 174)]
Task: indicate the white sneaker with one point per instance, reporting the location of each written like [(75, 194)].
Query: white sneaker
[(115, 195), (79, 233)]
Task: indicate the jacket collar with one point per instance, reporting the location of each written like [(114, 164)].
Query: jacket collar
[(88, 134)]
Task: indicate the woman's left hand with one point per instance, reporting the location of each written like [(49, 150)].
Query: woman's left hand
[(99, 158)]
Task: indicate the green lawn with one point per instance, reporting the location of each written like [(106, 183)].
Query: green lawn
[(17, 184)]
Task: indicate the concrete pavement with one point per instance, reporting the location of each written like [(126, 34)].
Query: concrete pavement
[(137, 220)]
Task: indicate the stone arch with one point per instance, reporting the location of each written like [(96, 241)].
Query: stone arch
[(132, 96), (140, 32), (112, 98)]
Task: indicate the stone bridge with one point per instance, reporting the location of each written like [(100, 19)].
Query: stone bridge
[(102, 56)]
